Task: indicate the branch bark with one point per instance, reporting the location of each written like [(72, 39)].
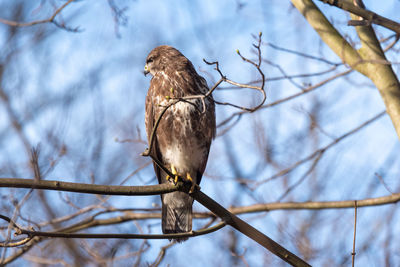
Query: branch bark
[(370, 16), (248, 230), (90, 188), (318, 205)]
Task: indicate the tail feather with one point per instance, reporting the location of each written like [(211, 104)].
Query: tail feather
[(176, 213)]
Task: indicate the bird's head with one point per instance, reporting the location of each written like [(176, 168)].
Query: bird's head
[(163, 57)]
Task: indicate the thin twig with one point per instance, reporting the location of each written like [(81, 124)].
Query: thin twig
[(285, 99), (148, 151), (12, 224), (51, 19), (162, 253), (391, 45), (183, 183), (257, 65), (383, 183), (15, 243), (353, 254), (65, 233), (305, 175), (301, 54)]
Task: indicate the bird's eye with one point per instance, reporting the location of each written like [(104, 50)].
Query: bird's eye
[(149, 60)]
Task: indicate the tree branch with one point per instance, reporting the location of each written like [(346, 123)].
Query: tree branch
[(329, 34), (51, 19), (369, 16), (90, 188), (227, 216), (69, 233), (382, 75), (213, 206), (318, 205), (257, 65), (353, 254)]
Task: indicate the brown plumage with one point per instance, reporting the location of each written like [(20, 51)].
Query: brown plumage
[(184, 134)]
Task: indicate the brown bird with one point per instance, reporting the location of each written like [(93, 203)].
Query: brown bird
[(184, 134)]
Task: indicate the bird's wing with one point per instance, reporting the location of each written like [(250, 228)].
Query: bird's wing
[(150, 120)]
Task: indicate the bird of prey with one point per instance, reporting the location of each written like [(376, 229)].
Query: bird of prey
[(183, 137)]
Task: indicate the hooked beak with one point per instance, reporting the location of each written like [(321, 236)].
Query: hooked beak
[(146, 70)]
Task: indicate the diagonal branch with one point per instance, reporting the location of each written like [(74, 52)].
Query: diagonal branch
[(369, 16), (382, 75), (248, 230), (329, 34)]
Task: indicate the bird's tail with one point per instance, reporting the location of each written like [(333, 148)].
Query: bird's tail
[(176, 213)]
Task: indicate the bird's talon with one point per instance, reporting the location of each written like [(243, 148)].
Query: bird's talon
[(173, 170), (175, 173), (189, 178)]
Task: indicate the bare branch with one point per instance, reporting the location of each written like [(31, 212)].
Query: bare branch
[(283, 100), (353, 254), (317, 205), (369, 16), (392, 44), (224, 214), (120, 19), (302, 178), (51, 19), (257, 65), (383, 183), (162, 253), (90, 188), (15, 243), (303, 55), (61, 234)]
